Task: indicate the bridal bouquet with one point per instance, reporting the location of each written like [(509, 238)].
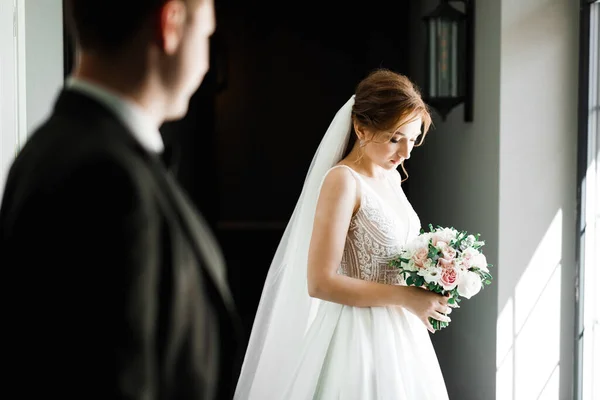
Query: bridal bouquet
[(445, 261)]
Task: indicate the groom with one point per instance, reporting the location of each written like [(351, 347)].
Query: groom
[(117, 290)]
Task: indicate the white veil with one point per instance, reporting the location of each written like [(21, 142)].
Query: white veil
[(285, 310)]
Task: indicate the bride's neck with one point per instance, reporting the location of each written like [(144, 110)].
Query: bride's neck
[(359, 162)]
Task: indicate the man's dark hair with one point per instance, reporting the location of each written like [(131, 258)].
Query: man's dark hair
[(106, 25)]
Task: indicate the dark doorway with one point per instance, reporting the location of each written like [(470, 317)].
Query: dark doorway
[(279, 73)]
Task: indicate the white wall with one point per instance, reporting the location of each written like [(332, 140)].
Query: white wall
[(538, 139), (43, 57), (8, 88), (510, 175), (29, 91)]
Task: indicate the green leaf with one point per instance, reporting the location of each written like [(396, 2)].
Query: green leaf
[(409, 281), (420, 281), (437, 325)]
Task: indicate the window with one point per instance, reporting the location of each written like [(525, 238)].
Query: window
[(587, 366)]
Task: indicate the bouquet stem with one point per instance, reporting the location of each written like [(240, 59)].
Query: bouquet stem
[(438, 325)]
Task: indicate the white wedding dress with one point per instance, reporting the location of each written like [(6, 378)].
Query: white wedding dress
[(302, 348), (369, 353)]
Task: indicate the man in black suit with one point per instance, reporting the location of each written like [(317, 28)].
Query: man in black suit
[(118, 290)]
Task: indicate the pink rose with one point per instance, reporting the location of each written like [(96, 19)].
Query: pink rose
[(420, 257), (463, 265), (467, 258), (443, 263), (447, 250), (466, 262), (449, 278)]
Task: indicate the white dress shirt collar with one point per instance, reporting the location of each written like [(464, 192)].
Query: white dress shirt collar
[(132, 115)]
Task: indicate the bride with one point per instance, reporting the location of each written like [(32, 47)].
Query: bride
[(334, 320)]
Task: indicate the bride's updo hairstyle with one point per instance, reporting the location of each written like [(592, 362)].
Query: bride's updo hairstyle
[(385, 100)]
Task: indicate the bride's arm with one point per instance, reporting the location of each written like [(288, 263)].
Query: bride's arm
[(337, 202)]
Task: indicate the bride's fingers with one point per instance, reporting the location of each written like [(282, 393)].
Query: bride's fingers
[(444, 310), (445, 302), (440, 317), (428, 325)]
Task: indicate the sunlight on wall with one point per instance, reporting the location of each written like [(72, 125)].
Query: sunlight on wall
[(528, 328), (504, 352)]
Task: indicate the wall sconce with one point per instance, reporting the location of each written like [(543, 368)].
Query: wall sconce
[(449, 60)]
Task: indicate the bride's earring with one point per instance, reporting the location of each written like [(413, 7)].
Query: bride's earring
[(361, 143)]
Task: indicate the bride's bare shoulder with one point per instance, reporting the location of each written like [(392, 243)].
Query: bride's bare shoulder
[(340, 187), (340, 177)]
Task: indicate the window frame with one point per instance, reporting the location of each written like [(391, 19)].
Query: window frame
[(588, 118)]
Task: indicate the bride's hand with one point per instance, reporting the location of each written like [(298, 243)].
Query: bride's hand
[(425, 304)]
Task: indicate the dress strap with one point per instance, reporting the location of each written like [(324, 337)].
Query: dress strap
[(353, 172)]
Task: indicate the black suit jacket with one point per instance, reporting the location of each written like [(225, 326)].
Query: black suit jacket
[(117, 290)]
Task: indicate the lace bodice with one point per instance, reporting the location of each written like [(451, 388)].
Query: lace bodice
[(375, 235)]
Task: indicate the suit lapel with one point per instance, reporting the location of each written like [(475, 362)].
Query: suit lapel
[(201, 237), (201, 240)]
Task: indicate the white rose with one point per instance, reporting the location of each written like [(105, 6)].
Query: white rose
[(469, 284), (445, 235), (468, 242), (459, 264), (470, 253), (480, 262), (431, 274), (417, 243), (467, 256), (425, 237)]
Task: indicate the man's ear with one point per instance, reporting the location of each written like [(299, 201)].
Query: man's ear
[(172, 16)]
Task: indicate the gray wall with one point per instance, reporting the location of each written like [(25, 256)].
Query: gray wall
[(464, 158), (510, 175)]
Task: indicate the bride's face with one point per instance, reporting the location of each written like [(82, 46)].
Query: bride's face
[(389, 149)]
